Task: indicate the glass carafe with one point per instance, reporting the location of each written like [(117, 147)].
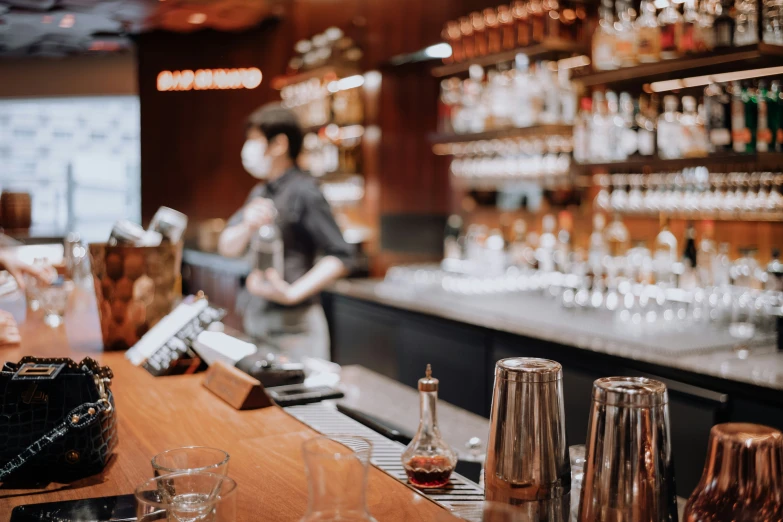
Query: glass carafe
[(428, 460), (336, 469)]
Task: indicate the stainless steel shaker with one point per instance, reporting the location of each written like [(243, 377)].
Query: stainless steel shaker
[(527, 454), (629, 471)]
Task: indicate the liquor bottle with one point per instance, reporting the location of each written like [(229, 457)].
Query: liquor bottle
[(518, 247), (492, 24), (717, 105), (721, 273), (428, 460), (615, 128), (479, 33), (665, 254), (547, 243), (617, 237), (625, 35), (689, 43), (568, 97), (563, 248), (750, 103), (706, 25), (746, 30), (648, 34), (452, 238), (525, 93), (522, 21), (694, 142), (775, 116), (645, 134), (507, 30), (669, 130), (775, 272), (628, 141), (671, 22), (690, 245), (705, 257), (764, 133), (267, 246), (537, 23), (552, 25), (773, 22), (468, 42), (724, 24), (600, 147), (453, 37), (604, 39), (598, 247), (740, 134), (581, 131)]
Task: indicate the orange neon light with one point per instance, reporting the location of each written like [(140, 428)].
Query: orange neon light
[(209, 79)]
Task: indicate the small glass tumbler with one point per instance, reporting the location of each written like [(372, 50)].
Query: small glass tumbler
[(191, 458), (187, 497), (337, 469), (54, 301)]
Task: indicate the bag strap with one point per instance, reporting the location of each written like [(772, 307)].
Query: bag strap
[(80, 417)]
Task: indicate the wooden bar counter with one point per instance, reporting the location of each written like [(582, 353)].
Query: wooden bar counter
[(156, 414)]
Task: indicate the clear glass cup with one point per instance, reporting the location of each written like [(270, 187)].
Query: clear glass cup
[(191, 458), (187, 497), (54, 302), (337, 469)]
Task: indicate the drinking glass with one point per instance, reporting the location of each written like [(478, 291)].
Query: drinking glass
[(187, 497), (489, 512), (191, 458), (337, 469), (54, 301)]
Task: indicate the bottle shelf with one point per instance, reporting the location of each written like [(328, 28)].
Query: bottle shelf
[(496, 134), (550, 48), (760, 160), (712, 216), (729, 60), (328, 71)]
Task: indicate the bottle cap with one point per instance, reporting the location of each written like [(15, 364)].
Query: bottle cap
[(428, 383)]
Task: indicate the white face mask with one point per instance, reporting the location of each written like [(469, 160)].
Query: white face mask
[(255, 160)]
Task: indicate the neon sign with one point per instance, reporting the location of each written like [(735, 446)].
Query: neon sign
[(209, 79)]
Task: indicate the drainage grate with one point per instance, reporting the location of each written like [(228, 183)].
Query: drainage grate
[(460, 493)]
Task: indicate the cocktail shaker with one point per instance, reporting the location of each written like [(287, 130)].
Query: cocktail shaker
[(743, 476), (629, 471), (527, 454)]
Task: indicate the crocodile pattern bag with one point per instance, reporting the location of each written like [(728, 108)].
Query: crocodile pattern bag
[(57, 419)]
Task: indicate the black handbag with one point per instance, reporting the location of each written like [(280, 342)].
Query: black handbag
[(57, 419)]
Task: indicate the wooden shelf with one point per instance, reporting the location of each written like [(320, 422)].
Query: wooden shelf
[(713, 216), (536, 130), (328, 71), (771, 160), (551, 48), (735, 59)]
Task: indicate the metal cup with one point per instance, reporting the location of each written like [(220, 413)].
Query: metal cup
[(629, 471), (743, 476), (527, 456)]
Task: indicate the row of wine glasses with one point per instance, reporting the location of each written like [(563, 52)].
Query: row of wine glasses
[(693, 190), (506, 146), (511, 167)]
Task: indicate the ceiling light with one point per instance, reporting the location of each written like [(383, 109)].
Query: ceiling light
[(197, 18), (441, 50), (698, 81)]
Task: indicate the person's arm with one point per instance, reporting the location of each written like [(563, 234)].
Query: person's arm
[(318, 221), (18, 269), (234, 239)]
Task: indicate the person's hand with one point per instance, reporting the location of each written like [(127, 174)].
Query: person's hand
[(271, 287), (259, 212), (9, 332), (18, 269)]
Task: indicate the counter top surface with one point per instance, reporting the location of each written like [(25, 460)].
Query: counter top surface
[(156, 414), (701, 349)]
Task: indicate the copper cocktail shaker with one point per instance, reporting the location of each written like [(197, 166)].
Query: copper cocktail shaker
[(743, 476), (527, 458), (629, 473)]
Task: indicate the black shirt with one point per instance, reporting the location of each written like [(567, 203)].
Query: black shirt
[(305, 220)]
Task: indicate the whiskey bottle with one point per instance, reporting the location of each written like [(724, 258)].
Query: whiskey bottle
[(717, 104), (625, 35), (645, 120), (604, 39), (694, 142), (724, 24), (521, 17), (507, 29), (689, 43), (479, 33), (537, 23), (492, 25), (740, 134), (468, 42), (669, 130), (648, 34), (670, 20), (764, 133)]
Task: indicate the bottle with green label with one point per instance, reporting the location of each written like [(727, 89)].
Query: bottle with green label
[(750, 101), (774, 110)]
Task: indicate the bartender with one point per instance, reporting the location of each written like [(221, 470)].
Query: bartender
[(284, 308)]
